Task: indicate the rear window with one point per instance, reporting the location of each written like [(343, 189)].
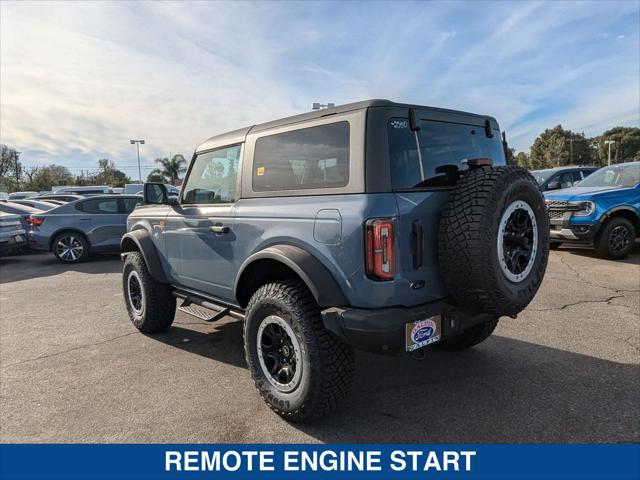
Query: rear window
[(99, 206), (431, 156), (315, 157)]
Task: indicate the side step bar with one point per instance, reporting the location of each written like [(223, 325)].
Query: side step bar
[(191, 302)]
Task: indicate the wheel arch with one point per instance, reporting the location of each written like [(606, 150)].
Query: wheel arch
[(625, 212), (140, 241), (281, 262), (80, 233)]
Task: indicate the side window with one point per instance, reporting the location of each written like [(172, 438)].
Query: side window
[(586, 173), (577, 176), (99, 206), (130, 203), (213, 177), (566, 180), (314, 157)]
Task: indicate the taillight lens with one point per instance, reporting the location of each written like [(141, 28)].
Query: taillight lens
[(380, 251), (35, 221)]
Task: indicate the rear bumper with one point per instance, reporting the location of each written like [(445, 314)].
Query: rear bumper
[(383, 330), (39, 242), (13, 241)]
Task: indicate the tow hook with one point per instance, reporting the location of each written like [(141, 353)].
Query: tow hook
[(419, 355)]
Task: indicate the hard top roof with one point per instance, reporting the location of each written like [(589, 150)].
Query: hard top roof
[(238, 135)]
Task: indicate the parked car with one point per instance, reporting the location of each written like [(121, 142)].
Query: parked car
[(136, 189), (22, 210), (561, 177), (35, 202), (375, 225), (21, 195), (76, 229), (60, 197), (12, 235), (602, 211)]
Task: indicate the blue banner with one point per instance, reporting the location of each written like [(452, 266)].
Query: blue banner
[(325, 462)]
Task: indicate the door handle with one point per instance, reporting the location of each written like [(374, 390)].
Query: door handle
[(219, 229), (86, 219)]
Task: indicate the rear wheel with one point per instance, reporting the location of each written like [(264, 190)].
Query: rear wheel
[(615, 239), (70, 247), (301, 370), (470, 337)]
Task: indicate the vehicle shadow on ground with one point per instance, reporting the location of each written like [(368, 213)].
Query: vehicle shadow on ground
[(504, 390), (633, 258), (16, 268)]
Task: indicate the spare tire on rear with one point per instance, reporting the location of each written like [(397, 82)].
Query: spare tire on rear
[(494, 240)]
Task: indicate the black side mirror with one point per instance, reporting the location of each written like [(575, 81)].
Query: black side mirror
[(155, 194), (554, 185)]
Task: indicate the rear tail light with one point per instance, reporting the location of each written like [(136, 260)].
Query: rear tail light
[(380, 251), (35, 221)]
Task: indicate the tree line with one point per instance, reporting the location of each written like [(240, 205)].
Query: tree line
[(552, 148), (556, 147), (14, 176)]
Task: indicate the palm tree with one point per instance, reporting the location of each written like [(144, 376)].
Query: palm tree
[(170, 170)]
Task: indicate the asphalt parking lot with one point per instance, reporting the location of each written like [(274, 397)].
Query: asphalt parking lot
[(73, 369)]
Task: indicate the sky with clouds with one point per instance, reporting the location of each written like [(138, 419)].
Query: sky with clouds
[(78, 80)]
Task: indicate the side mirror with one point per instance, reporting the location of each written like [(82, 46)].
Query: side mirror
[(555, 185), (155, 194)]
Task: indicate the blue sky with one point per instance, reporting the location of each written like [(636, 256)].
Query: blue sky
[(78, 80)]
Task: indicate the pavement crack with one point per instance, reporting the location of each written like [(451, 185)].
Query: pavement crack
[(79, 347), (562, 307)]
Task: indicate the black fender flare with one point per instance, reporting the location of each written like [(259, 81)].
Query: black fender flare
[(313, 273), (141, 240), (620, 208)]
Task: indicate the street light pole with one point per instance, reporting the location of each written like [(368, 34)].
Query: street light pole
[(609, 142), (138, 143)]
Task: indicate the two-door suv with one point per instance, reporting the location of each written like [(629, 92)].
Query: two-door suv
[(374, 225)]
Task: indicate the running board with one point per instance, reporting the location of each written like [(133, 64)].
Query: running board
[(201, 313), (203, 308)]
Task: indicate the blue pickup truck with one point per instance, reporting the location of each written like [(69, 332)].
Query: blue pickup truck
[(603, 211)]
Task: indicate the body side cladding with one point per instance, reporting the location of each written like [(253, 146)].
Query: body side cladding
[(313, 273), (140, 240)]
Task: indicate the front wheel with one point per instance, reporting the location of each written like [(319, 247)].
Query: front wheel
[(615, 239), (300, 369), (150, 305)]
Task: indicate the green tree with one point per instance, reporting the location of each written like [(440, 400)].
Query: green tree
[(522, 160), (155, 176), (626, 148), (10, 168), (557, 147), (110, 175), (170, 169), (46, 177)]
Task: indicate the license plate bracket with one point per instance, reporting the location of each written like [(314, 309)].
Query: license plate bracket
[(423, 332)]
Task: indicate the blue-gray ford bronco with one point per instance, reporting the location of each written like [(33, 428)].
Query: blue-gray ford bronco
[(373, 225)]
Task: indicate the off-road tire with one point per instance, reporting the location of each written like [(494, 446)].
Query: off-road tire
[(468, 250), (470, 337), (603, 246), (159, 305), (77, 237), (327, 362)]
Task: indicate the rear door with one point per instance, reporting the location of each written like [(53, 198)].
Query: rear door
[(103, 221), (423, 167)]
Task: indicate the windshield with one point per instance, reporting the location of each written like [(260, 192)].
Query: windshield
[(541, 176), (432, 156), (614, 176)]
